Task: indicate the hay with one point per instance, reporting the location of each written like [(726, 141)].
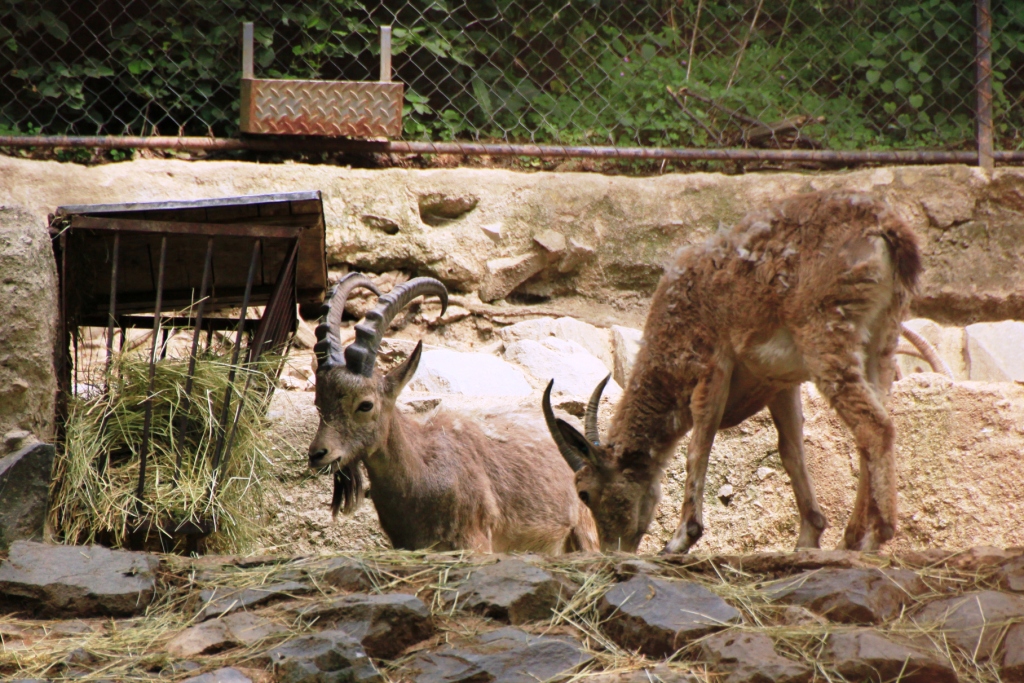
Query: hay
[(96, 503)]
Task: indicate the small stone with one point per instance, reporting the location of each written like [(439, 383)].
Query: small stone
[(865, 655), (348, 574), (764, 472), (512, 590), (503, 275), (65, 581), (223, 675), (1012, 670), (383, 624), (382, 223), (972, 622), (575, 255), (220, 601), (852, 596), (507, 655), (725, 494), (1011, 575), (492, 230), (24, 490), (751, 658), (551, 241), (203, 639), (657, 616), (325, 657)]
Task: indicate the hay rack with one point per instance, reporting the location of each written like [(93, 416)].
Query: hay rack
[(139, 265)]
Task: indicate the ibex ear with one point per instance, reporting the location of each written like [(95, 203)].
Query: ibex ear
[(575, 439), (396, 380)]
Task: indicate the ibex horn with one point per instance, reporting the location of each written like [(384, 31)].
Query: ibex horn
[(327, 348), (361, 354), (567, 451), (590, 420)]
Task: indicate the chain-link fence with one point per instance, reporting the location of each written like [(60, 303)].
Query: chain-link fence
[(841, 74)]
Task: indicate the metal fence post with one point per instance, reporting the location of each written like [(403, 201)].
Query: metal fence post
[(247, 39), (385, 54), (983, 47)]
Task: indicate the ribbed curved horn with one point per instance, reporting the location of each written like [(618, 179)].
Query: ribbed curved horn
[(927, 351), (327, 348), (361, 354), (590, 420), (567, 451)]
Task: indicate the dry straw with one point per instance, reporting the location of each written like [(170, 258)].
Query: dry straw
[(95, 478)]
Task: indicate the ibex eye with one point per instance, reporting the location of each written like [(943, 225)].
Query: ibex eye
[(365, 407), (585, 497)]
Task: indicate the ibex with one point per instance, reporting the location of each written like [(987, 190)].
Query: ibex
[(814, 288), (447, 483)]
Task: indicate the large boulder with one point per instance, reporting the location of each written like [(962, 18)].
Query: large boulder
[(594, 339), (471, 374), (575, 370), (28, 309), (995, 351)]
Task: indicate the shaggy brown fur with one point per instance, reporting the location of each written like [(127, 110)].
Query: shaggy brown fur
[(450, 483), (814, 288)]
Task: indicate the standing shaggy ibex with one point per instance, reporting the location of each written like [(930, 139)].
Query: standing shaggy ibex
[(814, 288), (448, 483)]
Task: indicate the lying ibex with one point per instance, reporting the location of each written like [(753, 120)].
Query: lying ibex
[(448, 483), (814, 288)]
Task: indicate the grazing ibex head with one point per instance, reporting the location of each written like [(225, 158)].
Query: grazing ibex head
[(355, 403), (622, 500)]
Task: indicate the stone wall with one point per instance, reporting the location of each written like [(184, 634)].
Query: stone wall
[(496, 231), (28, 317)]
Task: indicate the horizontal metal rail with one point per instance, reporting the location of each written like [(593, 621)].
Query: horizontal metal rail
[(298, 143)]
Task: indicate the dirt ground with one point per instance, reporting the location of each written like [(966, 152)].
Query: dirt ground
[(959, 456)]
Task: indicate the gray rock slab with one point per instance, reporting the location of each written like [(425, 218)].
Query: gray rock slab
[(972, 622), (67, 581), (865, 655), (994, 351), (508, 655), (1011, 575), (851, 596), (236, 629), (657, 616), (660, 673), (347, 573), (751, 658), (326, 657), (226, 674), (511, 590), (24, 493), (383, 624), (217, 602), (1012, 666)]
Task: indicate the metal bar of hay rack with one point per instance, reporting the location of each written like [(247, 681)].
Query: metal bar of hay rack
[(141, 265)]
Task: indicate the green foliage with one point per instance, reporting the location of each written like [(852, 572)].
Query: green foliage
[(883, 74)]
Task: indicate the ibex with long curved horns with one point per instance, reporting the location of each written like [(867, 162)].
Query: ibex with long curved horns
[(448, 483), (814, 288)]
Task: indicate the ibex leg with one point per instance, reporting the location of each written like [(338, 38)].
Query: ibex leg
[(707, 404), (787, 413)]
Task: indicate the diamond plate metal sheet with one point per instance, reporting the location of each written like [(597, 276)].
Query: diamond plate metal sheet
[(331, 108)]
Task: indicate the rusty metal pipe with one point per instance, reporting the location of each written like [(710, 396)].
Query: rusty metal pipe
[(983, 46), (310, 144)]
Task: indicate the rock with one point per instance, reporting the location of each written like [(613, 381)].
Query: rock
[(865, 655), (28, 335), (660, 673), (384, 624), (795, 615), (594, 339), (657, 616), (437, 208), (76, 580), (1012, 670), (575, 371), (305, 336), (386, 225), (629, 568), (237, 629), (1011, 575), (625, 347), (850, 596), (492, 230), (551, 241), (223, 675), (470, 374), (972, 622), (575, 256), (946, 208), (511, 590), (452, 315), (220, 601), (949, 342), (751, 658), (503, 275), (507, 655), (994, 351), (348, 573), (725, 494), (24, 493), (326, 657)]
